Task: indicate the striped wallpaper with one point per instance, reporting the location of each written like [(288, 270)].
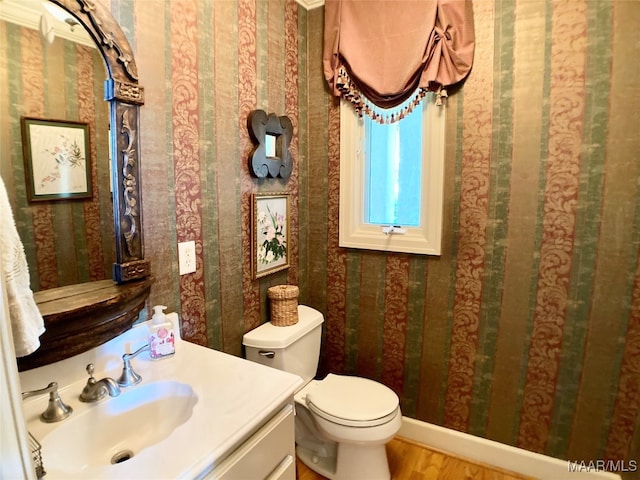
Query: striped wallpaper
[(526, 330), (222, 60)]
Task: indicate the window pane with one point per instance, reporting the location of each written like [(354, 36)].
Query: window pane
[(393, 157)]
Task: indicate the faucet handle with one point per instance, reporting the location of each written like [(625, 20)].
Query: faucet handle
[(90, 369), (128, 376), (56, 410)]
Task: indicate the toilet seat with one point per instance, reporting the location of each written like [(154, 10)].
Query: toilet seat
[(352, 401)]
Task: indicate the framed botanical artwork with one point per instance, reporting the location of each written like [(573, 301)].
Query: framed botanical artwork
[(57, 160), (269, 233)]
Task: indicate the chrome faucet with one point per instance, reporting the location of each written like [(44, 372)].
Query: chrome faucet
[(94, 390), (128, 376), (56, 410)]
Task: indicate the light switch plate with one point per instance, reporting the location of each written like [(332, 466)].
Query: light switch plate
[(187, 257)]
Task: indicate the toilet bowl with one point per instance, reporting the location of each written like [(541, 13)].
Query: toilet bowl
[(351, 419), (342, 422)]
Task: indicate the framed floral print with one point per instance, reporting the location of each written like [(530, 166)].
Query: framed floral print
[(57, 159), (270, 233)]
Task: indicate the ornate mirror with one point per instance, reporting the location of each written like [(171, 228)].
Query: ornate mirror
[(125, 96), (80, 317), (271, 135)]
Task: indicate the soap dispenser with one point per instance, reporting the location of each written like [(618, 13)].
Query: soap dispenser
[(161, 336)]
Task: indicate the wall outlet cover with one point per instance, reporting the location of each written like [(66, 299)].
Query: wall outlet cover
[(187, 257)]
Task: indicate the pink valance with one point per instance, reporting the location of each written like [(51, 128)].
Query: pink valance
[(390, 50)]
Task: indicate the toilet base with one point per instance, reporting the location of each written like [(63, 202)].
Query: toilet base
[(325, 466), (342, 453), (353, 462)]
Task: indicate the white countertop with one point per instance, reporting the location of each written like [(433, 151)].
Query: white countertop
[(235, 397)]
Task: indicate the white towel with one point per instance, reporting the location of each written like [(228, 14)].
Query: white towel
[(26, 321)]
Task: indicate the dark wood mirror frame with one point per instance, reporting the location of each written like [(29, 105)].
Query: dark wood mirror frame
[(280, 128), (80, 317)]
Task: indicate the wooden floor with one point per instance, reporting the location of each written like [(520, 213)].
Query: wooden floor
[(412, 461)]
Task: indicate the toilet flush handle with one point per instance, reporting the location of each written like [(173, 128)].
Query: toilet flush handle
[(267, 353)]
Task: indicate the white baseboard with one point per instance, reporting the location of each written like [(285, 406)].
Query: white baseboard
[(498, 454)]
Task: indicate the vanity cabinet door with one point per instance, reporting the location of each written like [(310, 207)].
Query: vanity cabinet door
[(285, 471), (269, 454)]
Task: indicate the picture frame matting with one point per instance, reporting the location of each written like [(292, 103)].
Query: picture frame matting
[(269, 233), (57, 159)]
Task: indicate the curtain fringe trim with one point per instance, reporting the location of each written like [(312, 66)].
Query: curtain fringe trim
[(364, 106)]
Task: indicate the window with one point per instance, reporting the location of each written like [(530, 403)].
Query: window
[(391, 180)]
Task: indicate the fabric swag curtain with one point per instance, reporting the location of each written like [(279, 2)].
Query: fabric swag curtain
[(386, 54)]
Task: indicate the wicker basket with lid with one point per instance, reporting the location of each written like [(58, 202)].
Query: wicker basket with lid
[(284, 305)]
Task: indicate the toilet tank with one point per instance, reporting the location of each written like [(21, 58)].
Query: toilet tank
[(294, 349)]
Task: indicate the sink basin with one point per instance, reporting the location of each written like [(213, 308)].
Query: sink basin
[(185, 420), (116, 429)]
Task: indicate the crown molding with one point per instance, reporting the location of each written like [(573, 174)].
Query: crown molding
[(311, 4), (27, 13)]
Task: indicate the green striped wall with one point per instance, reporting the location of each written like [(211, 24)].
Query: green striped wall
[(471, 338), (526, 329), (474, 329)]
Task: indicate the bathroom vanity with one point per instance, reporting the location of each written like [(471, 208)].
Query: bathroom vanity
[(200, 414)]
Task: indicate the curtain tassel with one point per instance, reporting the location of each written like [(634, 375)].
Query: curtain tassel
[(440, 94), (382, 116)]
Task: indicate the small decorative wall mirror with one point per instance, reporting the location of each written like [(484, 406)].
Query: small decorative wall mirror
[(271, 135)]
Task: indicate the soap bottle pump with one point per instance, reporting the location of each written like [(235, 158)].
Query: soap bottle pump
[(161, 336)]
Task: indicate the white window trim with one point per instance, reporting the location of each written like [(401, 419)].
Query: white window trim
[(354, 233)]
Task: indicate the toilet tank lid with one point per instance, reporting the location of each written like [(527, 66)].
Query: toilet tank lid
[(268, 335)]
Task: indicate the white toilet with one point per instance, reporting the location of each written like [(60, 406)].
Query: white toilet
[(342, 422)]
